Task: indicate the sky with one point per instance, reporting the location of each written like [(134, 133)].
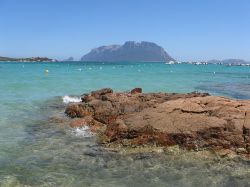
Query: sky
[(189, 30)]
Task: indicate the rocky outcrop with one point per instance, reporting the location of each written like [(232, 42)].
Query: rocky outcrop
[(129, 51), (136, 90), (193, 121)]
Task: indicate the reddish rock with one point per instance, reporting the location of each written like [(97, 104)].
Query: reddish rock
[(78, 123), (101, 92), (87, 98), (78, 110), (94, 125), (136, 90), (192, 121)]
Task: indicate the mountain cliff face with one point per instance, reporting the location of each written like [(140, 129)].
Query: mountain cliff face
[(129, 51)]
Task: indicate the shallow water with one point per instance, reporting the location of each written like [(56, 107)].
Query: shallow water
[(36, 151)]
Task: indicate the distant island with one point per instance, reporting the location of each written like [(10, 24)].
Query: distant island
[(129, 51), (227, 62), (32, 59), (231, 62)]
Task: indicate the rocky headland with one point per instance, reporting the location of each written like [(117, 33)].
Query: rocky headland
[(129, 51), (192, 121)]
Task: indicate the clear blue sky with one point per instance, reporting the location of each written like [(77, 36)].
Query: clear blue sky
[(187, 29)]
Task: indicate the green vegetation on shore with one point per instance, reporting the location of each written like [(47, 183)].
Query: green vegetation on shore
[(32, 59)]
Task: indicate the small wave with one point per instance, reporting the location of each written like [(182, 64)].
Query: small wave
[(68, 99), (82, 132)]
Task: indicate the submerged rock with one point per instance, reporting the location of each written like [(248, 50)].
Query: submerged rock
[(193, 121)]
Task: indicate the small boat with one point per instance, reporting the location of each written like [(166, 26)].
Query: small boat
[(170, 62)]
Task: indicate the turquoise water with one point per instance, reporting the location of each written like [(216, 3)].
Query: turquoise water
[(35, 151)]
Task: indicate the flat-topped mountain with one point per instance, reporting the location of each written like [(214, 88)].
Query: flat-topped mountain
[(129, 51)]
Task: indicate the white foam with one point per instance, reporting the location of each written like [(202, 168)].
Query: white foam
[(68, 99), (82, 132)]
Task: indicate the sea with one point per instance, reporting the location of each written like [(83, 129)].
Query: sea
[(37, 151)]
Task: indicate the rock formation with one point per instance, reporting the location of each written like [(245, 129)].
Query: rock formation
[(130, 51), (194, 121)]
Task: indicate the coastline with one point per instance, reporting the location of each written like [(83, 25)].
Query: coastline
[(245, 65)]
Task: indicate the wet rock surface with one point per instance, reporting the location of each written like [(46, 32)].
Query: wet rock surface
[(193, 121)]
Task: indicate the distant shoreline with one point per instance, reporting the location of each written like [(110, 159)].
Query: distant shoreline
[(31, 59), (122, 62)]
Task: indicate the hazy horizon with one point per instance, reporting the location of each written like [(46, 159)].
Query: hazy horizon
[(187, 30)]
